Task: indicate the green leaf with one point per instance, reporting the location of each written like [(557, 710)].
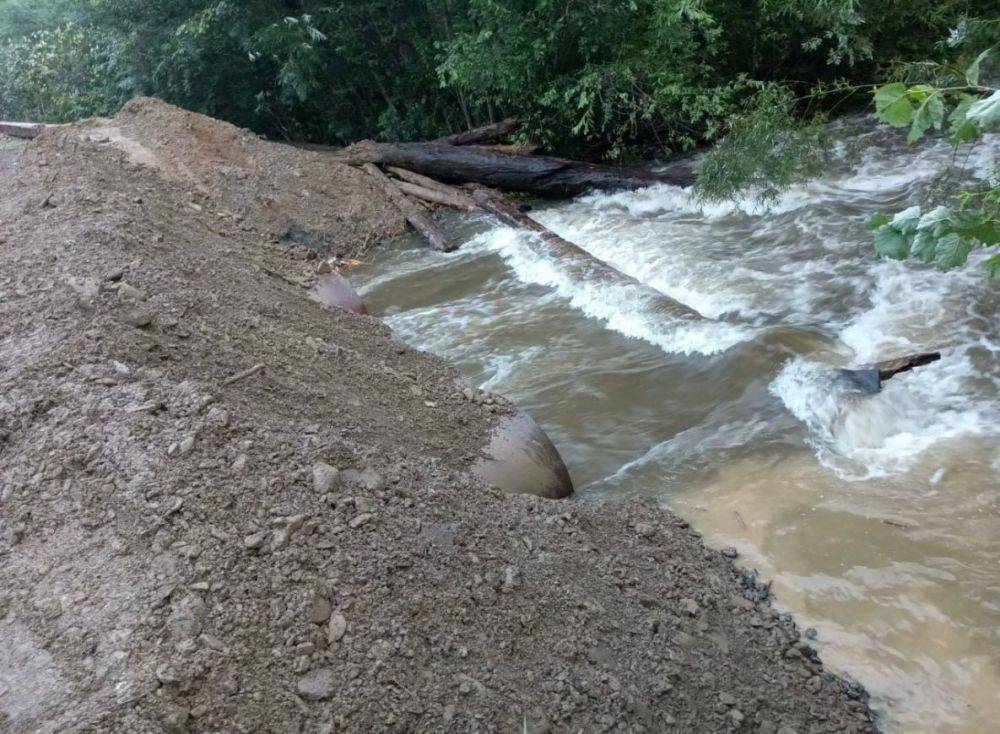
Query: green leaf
[(924, 246), (976, 225), (972, 73), (962, 130), (937, 220), (907, 220), (992, 267), (985, 112), (877, 220), (890, 243), (952, 250), (930, 114), (892, 105)]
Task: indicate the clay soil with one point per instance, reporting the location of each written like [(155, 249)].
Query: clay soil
[(227, 508)]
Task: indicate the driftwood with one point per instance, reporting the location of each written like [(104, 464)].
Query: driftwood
[(539, 175), (870, 377), (419, 219), (485, 134)]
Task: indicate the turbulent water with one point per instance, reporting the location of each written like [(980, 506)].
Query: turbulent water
[(878, 517)]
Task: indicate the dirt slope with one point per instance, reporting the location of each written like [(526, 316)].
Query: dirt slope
[(302, 549)]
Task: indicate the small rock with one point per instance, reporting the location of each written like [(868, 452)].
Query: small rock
[(131, 293), (811, 633), (367, 478), (186, 445), (316, 685), (175, 719), (337, 629), (469, 394), (325, 477), (730, 552), (187, 617), (255, 541), (319, 609), (240, 465), (690, 607), (140, 317), (727, 699), (644, 529), (736, 716), (361, 520)]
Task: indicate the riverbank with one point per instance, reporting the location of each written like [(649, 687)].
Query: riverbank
[(194, 542)]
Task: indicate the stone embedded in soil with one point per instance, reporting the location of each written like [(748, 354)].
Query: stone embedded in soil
[(325, 477), (337, 628), (255, 541), (139, 317), (317, 685), (319, 609)]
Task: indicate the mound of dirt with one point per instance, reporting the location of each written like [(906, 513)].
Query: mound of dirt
[(226, 508)]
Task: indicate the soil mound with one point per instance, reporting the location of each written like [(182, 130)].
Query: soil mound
[(294, 195), (226, 508)]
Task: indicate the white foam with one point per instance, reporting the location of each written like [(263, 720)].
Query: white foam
[(861, 436), (622, 307)]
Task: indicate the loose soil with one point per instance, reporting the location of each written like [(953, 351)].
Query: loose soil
[(225, 507)]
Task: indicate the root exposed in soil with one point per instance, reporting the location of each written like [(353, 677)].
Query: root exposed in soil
[(302, 549)]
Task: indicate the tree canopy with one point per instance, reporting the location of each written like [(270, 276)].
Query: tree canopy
[(600, 77)]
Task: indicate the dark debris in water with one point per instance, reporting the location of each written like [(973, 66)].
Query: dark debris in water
[(753, 589)]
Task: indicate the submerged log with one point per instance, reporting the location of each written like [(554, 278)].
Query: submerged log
[(870, 377), (418, 218), (484, 134), (539, 175), (575, 256)]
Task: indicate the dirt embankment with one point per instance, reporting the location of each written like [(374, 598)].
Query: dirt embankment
[(303, 549)]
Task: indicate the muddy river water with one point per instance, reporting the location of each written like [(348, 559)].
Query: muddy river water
[(877, 517)]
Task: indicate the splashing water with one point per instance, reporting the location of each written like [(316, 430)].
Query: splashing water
[(877, 516)]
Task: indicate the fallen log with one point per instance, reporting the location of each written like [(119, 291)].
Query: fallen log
[(483, 134), (436, 197), (24, 130), (870, 377), (539, 175), (434, 191), (418, 218)]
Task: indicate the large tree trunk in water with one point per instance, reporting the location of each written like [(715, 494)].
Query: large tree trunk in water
[(540, 175), (485, 134), (415, 215)]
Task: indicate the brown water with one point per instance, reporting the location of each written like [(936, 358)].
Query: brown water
[(877, 517)]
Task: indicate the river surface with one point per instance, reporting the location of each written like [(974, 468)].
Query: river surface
[(877, 517)]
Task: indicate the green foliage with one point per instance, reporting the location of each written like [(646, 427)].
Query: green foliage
[(943, 236), (768, 149), (596, 78), (60, 75)]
